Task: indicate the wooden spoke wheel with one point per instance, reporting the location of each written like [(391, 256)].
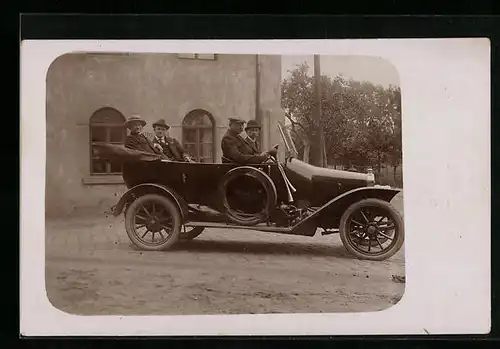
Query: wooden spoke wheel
[(372, 229), (153, 222)]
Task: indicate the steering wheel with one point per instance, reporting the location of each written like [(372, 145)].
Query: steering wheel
[(272, 158)]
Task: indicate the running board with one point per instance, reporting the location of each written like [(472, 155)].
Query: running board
[(265, 228)]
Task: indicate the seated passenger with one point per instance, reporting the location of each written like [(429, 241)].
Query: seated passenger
[(170, 146), (253, 130), (136, 140), (236, 149)]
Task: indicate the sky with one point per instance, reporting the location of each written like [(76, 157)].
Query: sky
[(361, 68)]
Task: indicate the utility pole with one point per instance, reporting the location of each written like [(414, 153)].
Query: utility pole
[(320, 148), (258, 115)]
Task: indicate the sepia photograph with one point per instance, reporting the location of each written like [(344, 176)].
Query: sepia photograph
[(245, 187), (193, 184)]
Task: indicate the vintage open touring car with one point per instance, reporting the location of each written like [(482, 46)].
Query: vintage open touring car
[(168, 201)]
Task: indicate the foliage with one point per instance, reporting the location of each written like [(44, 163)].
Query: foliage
[(361, 121)]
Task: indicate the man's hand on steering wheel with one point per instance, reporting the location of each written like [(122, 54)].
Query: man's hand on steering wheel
[(273, 152), (270, 159)]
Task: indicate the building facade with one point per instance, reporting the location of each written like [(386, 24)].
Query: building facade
[(89, 96)]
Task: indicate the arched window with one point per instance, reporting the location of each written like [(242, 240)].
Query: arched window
[(106, 125), (198, 134)]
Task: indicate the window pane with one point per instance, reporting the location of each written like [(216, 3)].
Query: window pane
[(191, 149), (98, 134), (197, 118), (117, 134), (107, 116), (98, 166), (206, 135), (206, 150), (190, 136)]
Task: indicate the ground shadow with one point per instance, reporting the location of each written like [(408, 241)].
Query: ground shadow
[(261, 248)]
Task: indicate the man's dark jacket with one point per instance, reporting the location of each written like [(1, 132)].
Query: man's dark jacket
[(238, 150), (253, 145), (171, 148), (139, 142)]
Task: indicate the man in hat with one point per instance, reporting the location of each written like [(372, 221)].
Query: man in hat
[(236, 149), (170, 146), (253, 130), (136, 140)]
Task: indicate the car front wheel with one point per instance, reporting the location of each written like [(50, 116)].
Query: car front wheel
[(153, 222), (372, 229)]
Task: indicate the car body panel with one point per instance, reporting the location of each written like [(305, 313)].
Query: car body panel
[(196, 183)]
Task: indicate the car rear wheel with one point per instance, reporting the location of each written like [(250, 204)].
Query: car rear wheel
[(153, 222), (190, 233), (372, 229)]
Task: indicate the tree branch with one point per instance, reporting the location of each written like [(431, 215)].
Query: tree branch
[(295, 123)]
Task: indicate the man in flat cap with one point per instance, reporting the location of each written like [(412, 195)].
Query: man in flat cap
[(136, 140), (236, 149), (170, 146)]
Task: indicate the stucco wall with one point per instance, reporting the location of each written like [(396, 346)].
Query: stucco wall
[(153, 86), (270, 99)]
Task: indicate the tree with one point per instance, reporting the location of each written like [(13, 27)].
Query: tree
[(361, 121), (395, 153)]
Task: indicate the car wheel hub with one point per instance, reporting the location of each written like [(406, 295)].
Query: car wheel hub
[(371, 230), (154, 224)]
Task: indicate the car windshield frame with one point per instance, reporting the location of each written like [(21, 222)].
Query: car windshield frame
[(287, 139)]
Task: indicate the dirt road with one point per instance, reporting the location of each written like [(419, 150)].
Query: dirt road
[(92, 269)]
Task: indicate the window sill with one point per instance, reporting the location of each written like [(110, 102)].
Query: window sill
[(102, 180)]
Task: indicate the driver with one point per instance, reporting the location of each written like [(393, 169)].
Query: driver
[(236, 149)]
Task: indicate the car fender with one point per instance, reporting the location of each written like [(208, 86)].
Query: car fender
[(333, 209), (141, 189)]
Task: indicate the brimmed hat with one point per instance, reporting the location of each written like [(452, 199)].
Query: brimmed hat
[(161, 123), (135, 118), (236, 119), (252, 124)]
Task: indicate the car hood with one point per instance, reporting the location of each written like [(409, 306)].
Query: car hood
[(309, 172)]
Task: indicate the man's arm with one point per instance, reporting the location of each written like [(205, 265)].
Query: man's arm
[(155, 145), (179, 147), (230, 150), (182, 152)]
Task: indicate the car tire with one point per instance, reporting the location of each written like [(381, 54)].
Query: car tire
[(192, 233), (169, 207), (266, 184), (395, 216)]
